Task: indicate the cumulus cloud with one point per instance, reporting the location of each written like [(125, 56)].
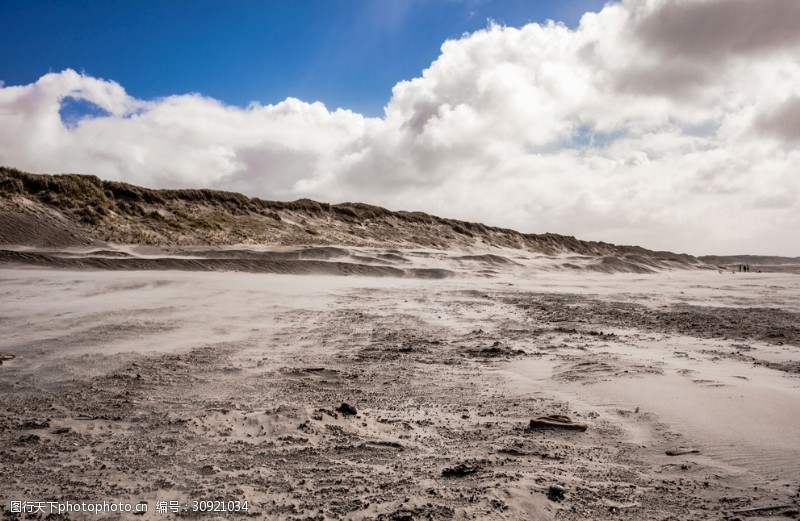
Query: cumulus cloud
[(672, 124)]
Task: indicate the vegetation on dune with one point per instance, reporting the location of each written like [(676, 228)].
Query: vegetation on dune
[(124, 213)]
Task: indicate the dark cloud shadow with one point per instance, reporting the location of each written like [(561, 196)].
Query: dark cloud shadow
[(717, 28), (783, 122)]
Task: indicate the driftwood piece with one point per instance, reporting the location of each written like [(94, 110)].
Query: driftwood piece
[(777, 510), (556, 421), (680, 451)]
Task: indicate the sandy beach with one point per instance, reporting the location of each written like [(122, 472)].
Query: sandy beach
[(159, 386)]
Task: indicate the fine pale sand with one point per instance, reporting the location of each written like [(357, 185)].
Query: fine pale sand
[(181, 385)]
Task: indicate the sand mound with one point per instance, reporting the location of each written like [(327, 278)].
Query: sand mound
[(38, 229), (487, 259), (256, 262), (610, 264)]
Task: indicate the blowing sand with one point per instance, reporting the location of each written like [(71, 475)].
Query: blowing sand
[(148, 386)]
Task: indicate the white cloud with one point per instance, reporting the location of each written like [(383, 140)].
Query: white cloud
[(637, 127)]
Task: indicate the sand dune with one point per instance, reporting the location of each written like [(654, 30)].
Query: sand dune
[(325, 260), (255, 264), (80, 211)]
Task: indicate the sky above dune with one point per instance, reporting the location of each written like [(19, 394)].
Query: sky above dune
[(671, 124)]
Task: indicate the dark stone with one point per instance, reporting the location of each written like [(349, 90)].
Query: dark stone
[(460, 470), (555, 493), (33, 424), (29, 439), (347, 409)]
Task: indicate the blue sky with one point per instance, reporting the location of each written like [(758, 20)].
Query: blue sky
[(345, 53)]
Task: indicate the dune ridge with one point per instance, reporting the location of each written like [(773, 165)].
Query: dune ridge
[(80, 210)]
